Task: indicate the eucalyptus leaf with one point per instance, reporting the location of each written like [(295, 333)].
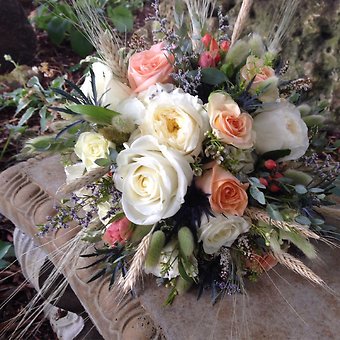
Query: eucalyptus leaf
[(303, 220), (26, 116), (273, 213), (300, 189), (213, 76), (257, 195)]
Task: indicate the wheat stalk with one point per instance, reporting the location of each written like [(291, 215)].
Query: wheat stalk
[(298, 267), (199, 11), (135, 271), (260, 215), (105, 40), (241, 19), (81, 182)]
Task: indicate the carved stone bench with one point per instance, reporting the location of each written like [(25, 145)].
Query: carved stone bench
[(280, 305)]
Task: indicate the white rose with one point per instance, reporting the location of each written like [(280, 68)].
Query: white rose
[(279, 126), (91, 146), (177, 120), (153, 180), (109, 89), (221, 230), (168, 260)]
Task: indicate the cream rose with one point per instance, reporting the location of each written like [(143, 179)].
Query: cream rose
[(280, 126), (109, 89), (265, 81), (153, 180), (221, 230), (228, 123), (91, 146), (177, 120)]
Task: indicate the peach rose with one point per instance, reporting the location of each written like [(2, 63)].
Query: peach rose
[(265, 79), (118, 232), (227, 194), (149, 67), (228, 123)]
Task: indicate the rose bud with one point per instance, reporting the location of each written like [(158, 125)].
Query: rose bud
[(206, 60), (277, 175), (263, 181), (206, 40), (224, 46), (270, 164)]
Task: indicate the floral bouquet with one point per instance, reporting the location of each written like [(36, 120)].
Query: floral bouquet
[(186, 157)]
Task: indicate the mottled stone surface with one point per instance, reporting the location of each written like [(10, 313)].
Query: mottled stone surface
[(17, 37), (281, 305), (312, 43)]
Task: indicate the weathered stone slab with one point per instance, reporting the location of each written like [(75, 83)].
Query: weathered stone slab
[(281, 305)]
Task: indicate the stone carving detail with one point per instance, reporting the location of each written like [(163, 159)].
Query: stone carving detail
[(27, 195), (31, 259)]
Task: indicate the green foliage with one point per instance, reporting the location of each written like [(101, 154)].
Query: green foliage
[(58, 19), (5, 248), (32, 100)]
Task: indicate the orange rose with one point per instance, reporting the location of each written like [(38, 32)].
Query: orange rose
[(149, 67), (227, 194), (265, 79), (228, 123)]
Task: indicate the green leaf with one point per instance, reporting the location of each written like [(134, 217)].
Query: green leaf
[(80, 44), (276, 154), (254, 181), (300, 189), (4, 248), (56, 30), (26, 116), (94, 114), (182, 271), (303, 220), (213, 76), (103, 162), (299, 241), (43, 118), (273, 213), (257, 195), (121, 17)]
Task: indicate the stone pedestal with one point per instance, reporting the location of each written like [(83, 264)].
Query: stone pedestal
[(281, 305)]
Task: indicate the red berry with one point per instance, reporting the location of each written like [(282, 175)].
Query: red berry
[(263, 181), (224, 46), (274, 188), (270, 164)]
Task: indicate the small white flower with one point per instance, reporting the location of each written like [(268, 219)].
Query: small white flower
[(280, 126), (91, 146), (153, 180), (109, 89), (221, 230)]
